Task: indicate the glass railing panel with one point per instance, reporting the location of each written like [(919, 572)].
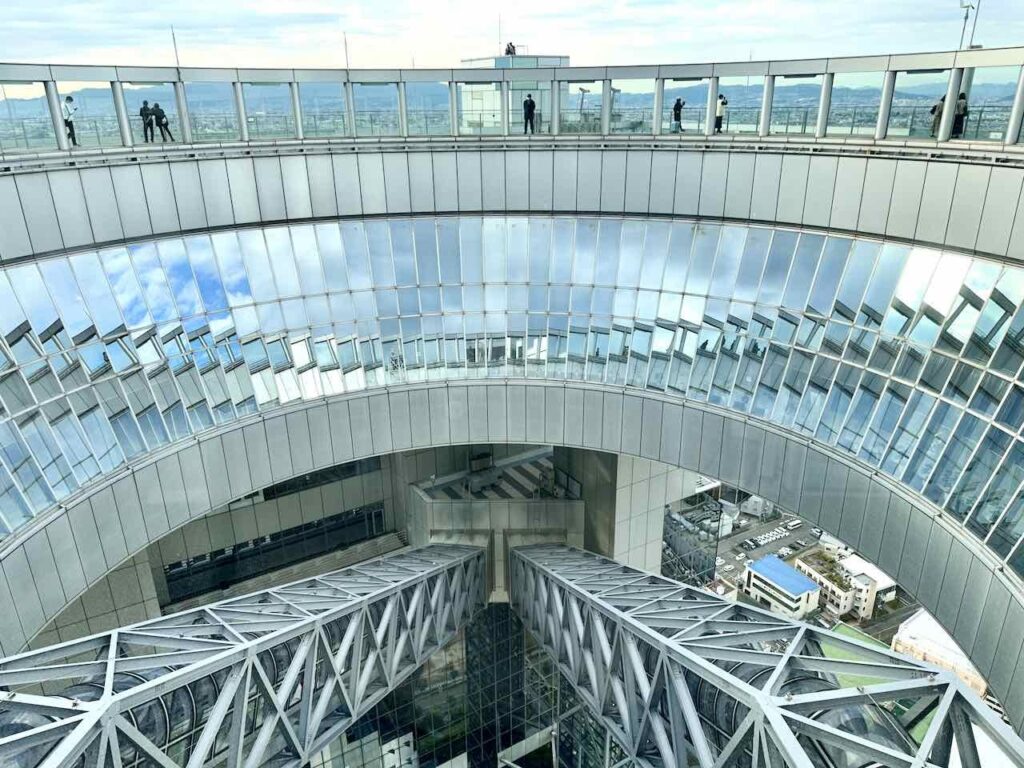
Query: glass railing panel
[(478, 106), (580, 107), (25, 123), (982, 111), (212, 114), (853, 109), (88, 112), (520, 92), (795, 104), (632, 106), (324, 111), (376, 109), (917, 104), (268, 110), (428, 108), (690, 99), (738, 107), (150, 107)]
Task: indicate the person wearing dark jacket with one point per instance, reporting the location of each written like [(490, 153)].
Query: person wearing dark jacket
[(529, 108), (677, 116), (960, 112), (162, 123), (147, 122)]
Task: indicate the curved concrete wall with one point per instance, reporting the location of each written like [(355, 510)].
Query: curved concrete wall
[(952, 576), (962, 200)]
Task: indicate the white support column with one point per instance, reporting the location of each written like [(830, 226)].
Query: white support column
[(453, 107), (183, 119), (709, 115), (949, 105), (824, 104), (243, 125), (659, 105), (606, 107), (56, 116), (122, 113), (504, 108), (765, 123), (556, 107), (296, 110), (1013, 128), (885, 105), (403, 110), (350, 108)]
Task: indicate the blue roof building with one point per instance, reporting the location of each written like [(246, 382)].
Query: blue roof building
[(780, 587)]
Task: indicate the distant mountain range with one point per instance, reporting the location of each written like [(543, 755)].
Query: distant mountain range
[(218, 97)]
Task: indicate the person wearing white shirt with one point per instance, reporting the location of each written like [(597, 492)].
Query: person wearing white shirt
[(68, 110), (720, 106)]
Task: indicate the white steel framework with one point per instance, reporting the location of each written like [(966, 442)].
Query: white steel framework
[(267, 678), (683, 677)]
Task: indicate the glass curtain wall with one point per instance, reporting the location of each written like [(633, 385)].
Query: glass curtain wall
[(268, 110), (795, 101), (25, 122), (853, 109), (324, 110), (211, 111), (694, 95), (154, 95), (632, 106), (92, 105), (918, 103), (376, 109), (745, 97), (478, 106), (983, 112), (580, 108), (518, 90), (428, 108)]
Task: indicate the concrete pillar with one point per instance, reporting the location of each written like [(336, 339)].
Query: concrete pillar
[(121, 110), (56, 116), (556, 107), (243, 125), (296, 110), (659, 105), (1013, 129), (453, 107), (350, 109), (949, 105), (824, 103), (709, 116), (765, 123), (403, 110), (606, 107), (885, 105), (186, 124), (504, 108)]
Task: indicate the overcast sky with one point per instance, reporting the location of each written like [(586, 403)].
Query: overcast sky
[(308, 33)]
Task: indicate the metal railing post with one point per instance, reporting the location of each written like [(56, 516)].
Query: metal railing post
[(53, 102), (885, 104), (504, 109), (350, 108), (453, 107), (296, 110), (606, 107), (1013, 128), (403, 111), (243, 126), (183, 118), (556, 107), (765, 123), (709, 116), (659, 105), (121, 110), (824, 104), (949, 105)]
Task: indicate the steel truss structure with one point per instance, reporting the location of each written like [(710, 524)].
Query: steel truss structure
[(269, 678), (683, 677)]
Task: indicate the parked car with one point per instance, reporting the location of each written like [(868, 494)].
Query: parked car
[(741, 556), (729, 568), (816, 532), (719, 561)]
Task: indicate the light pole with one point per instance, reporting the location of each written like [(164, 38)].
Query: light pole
[(967, 8)]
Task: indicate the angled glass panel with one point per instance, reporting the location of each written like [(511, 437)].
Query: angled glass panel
[(917, 103), (478, 108), (152, 106), (324, 111), (580, 107), (795, 103), (376, 108), (88, 112), (740, 99), (982, 111), (25, 123), (853, 110), (268, 110), (632, 106), (211, 111), (684, 106)]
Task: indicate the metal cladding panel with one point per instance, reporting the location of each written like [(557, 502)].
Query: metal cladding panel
[(853, 504), (564, 193), (638, 181), (732, 447), (936, 199), (740, 185), (446, 182), (147, 74), (257, 451), (792, 188), (517, 180), (954, 579), (671, 433), (106, 515), (323, 198), (832, 494), (44, 572), (964, 221), (770, 469), (650, 426), (1008, 645), (129, 187), (713, 178), (83, 73), (554, 410), (497, 410), (541, 180), (12, 637), (87, 542), (764, 193), (71, 210), (797, 67), (936, 558), (440, 430), (611, 421), (208, 75), (515, 409), (997, 218), (216, 192), (751, 457), (159, 198), (711, 444), (858, 64), (849, 189), (905, 202), (492, 172), (346, 185), (663, 182), (299, 441), (686, 71), (151, 498), (419, 422), (458, 415), (266, 75), (29, 608), (269, 188), (793, 466), (740, 68), (188, 195), (396, 182), (912, 561), (469, 186), (40, 216), (14, 240), (820, 188), (688, 183), (812, 486), (97, 190), (321, 75), (593, 418), (421, 182), (974, 598), (879, 179), (297, 187), (588, 180), (245, 200), (994, 617), (371, 184), (476, 404), (613, 181), (875, 512), (172, 488), (237, 463)]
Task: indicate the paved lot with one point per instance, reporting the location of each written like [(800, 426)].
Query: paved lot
[(729, 548)]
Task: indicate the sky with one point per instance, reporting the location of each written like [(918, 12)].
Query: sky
[(398, 33)]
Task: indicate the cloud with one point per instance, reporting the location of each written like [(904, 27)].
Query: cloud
[(308, 33)]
